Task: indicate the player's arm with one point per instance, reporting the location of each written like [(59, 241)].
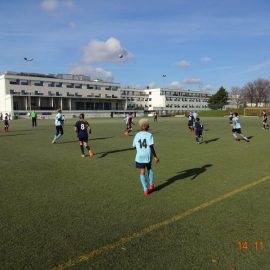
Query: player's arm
[(154, 153)]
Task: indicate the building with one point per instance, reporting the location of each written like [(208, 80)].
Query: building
[(166, 100), (22, 92)]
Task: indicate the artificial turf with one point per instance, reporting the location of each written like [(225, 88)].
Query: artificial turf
[(57, 206)]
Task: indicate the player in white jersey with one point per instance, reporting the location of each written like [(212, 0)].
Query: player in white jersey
[(237, 128), (144, 144), (59, 122)]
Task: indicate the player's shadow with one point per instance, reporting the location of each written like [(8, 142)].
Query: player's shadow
[(13, 135), (211, 140), (190, 173), (101, 138), (104, 154)]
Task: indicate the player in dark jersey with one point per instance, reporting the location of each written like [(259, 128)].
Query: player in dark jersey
[(264, 120), (191, 122), (129, 123), (6, 122), (231, 119), (82, 128), (198, 131)]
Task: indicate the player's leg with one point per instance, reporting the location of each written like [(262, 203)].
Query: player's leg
[(244, 137), (141, 166), (81, 148), (91, 153), (150, 177)]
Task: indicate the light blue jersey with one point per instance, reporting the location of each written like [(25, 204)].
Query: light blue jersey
[(236, 122), (59, 119), (142, 142)]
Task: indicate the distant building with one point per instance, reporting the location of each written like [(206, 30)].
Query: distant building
[(23, 92)]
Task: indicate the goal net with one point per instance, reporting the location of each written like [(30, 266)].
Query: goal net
[(256, 111)]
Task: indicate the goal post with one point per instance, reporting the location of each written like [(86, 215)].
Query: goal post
[(256, 111)]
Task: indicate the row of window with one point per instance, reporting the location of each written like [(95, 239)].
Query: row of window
[(70, 85), (185, 106), (185, 99), (170, 94)]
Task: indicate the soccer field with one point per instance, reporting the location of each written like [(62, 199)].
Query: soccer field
[(61, 211)]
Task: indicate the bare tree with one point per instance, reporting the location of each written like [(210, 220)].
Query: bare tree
[(236, 96), (249, 93), (262, 87)]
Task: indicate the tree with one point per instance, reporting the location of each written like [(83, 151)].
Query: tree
[(219, 99), (236, 96), (249, 93)]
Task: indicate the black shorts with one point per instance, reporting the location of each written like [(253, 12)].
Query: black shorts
[(198, 133), (190, 124), (143, 165), (83, 139), (237, 130), (59, 129)]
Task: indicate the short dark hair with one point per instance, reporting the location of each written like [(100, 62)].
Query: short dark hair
[(82, 116)]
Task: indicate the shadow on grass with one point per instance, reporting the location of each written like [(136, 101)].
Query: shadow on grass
[(101, 138), (13, 135), (211, 140), (104, 154), (193, 173)]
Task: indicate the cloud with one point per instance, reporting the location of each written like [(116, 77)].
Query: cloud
[(72, 25), (257, 67), (52, 5), (184, 64), (49, 5), (176, 84), (152, 85), (106, 51), (93, 72), (192, 81), (205, 60)]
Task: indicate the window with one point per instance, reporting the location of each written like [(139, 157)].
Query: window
[(59, 84)]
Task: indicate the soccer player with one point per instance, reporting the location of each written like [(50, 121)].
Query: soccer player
[(129, 123), (82, 128), (264, 121), (144, 144), (6, 122), (231, 119), (59, 122), (34, 118), (237, 128), (198, 127), (155, 116), (191, 122)]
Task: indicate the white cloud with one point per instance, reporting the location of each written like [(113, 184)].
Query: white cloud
[(176, 84), (52, 5), (106, 51), (208, 87), (205, 60), (93, 72), (49, 5), (192, 81), (72, 25), (184, 64)]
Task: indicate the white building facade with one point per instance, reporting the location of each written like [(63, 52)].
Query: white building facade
[(23, 92)]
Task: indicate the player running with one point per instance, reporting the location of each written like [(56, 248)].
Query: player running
[(82, 128), (231, 119), (198, 128), (264, 120), (129, 123), (6, 122), (59, 122), (237, 128), (144, 144), (191, 122)]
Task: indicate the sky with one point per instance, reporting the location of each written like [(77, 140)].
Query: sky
[(182, 44)]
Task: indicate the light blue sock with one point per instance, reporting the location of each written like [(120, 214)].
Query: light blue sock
[(151, 176), (143, 181), (58, 136)]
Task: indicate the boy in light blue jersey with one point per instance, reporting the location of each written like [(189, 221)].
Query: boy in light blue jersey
[(144, 144), (59, 121), (237, 128)]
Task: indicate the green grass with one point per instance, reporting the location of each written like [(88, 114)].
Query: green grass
[(56, 206), (220, 113)]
